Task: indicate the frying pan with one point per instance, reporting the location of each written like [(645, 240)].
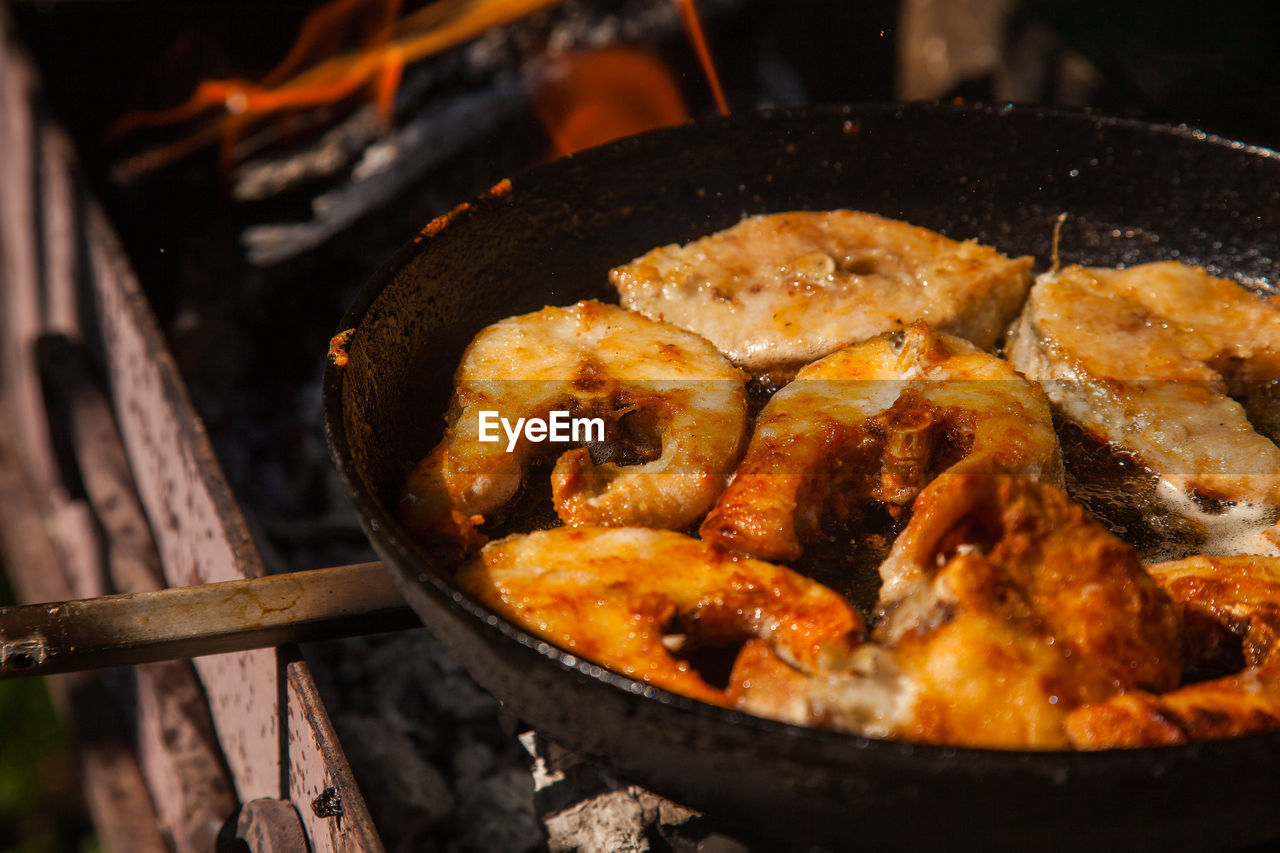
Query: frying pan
[(1132, 192)]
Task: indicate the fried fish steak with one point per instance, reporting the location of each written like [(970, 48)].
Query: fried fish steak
[(875, 422), (1028, 609), (781, 290), (638, 601), (1146, 358), (1235, 594), (663, 396)]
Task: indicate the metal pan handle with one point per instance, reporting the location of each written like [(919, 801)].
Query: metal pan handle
[(147, 622), (181, 622)]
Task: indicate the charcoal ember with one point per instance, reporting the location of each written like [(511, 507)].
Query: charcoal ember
[(432, 683), (409, 797), (473, 759), (585, 808), (401, 701), (495, 812), (407, 679), (611, 821)]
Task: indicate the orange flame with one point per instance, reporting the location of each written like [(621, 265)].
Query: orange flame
[(323, 34), (693, 28), (388, 48), (596, 96), (592, 97)]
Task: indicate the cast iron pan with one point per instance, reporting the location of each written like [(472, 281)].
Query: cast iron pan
[(1133, 192)]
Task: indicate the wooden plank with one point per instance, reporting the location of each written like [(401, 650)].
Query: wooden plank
[(58, 204), (180, 755), (19, 259), (115, 790), (55, 259), (320, 781), (198, 528), (26, 273)]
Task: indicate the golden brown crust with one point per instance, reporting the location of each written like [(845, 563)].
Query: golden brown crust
[(875, 422), (669, 402), (788, 288), (614, 595), (1143, 357), (1225, 707), (1030, 610), (1010, 618), (1022, 609), (1242, 595), (338, 344), (1054, 565)]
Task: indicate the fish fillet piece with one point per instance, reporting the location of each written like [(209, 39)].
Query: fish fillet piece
[(780, 290), (1241, 593), (1237, 594), (627, 597), (877, 421), (673, 407), (1145, 357), (1245, 703), (1028, 609)]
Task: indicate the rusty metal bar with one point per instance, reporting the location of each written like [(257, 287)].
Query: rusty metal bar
[(119, 630)]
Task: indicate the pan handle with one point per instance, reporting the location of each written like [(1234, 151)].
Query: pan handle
[(182, 622)]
